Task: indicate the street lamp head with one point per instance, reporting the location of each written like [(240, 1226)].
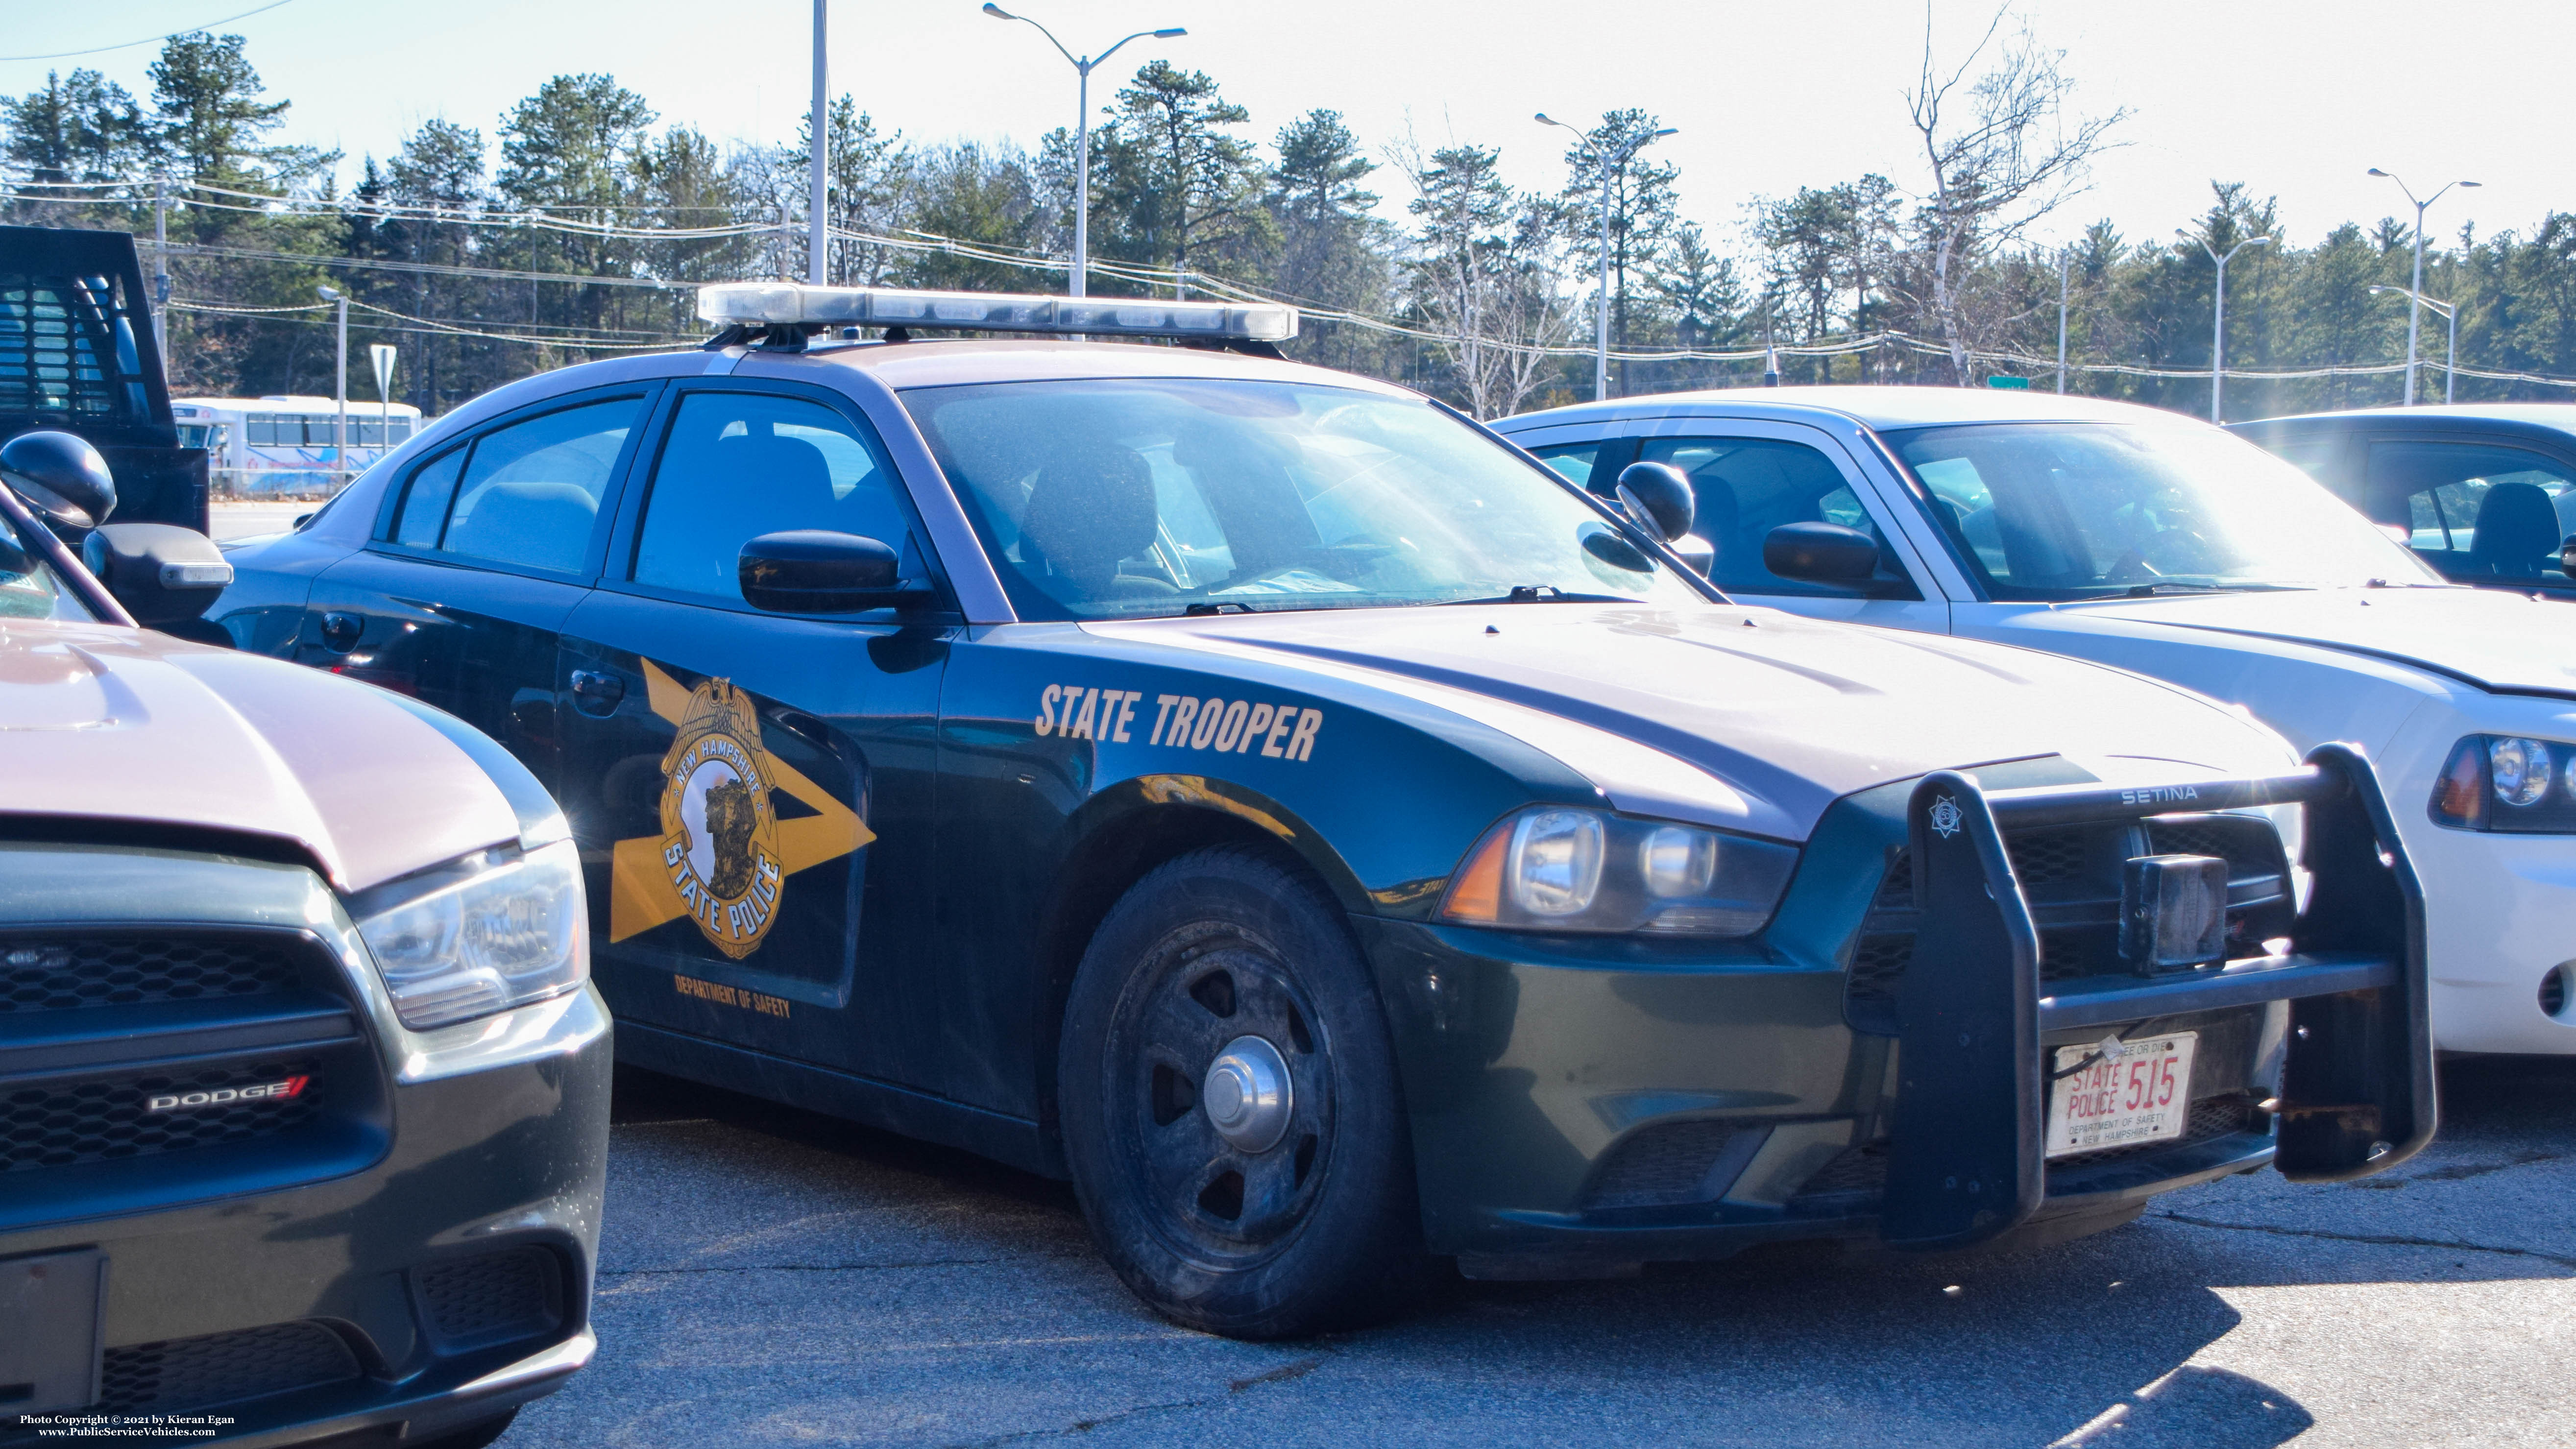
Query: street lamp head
[(2256, 241), (1667, 131), (2375, 171), (1175, 33), (329, 294), (2469, 183), (997, 12), (1544, 119)]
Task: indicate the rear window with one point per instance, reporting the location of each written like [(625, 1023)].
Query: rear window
[(66, 351)]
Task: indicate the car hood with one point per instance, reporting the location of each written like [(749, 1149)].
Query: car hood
[(2499, 641), (99, 723), (1750, 718)]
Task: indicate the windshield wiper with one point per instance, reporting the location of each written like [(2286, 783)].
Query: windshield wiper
[(2145, 591), (1543, 594)]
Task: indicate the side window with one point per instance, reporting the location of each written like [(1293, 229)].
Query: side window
[(2476, 510), (529, 492), (263, 430), (1574, 460), (424, 507), (1745, 487), (741, 464)]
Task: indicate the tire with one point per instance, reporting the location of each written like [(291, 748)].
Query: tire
[(1321, 1228), (473, 1436)]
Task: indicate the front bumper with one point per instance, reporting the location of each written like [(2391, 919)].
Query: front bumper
[(1611, 1102), (454, 1273), (2501, 917)]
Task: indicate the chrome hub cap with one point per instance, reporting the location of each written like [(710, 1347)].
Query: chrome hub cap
[(1247, 1095)]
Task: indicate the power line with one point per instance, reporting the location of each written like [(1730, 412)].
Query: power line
[(149, 39)]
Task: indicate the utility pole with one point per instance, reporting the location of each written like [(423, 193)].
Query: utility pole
[(818, 264), (340, 387), (2415, 294), (1602, 165), (2218, 328), (2061, 321), (161, 273)]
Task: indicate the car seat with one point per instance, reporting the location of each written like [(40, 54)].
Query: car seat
[(541, 525), (2517, 532), (1090, 508)]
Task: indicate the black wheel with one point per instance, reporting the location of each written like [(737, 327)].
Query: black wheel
[(1230, 1105), (472, 1436)]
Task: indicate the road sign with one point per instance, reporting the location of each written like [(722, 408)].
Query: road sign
[(2022, 383)]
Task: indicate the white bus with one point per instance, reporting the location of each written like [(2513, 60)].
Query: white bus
[(283, 446)]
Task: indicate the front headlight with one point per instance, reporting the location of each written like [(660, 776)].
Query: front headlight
[(2508, 783), (491, 937), (1557, 868)]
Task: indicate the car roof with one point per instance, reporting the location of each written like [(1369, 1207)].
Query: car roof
[(2558, 417), (1871, 406)]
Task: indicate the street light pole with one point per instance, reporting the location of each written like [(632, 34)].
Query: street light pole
[(2450, 313), (818, 239), (2414, 308), (2218, 328), (340, 386), (2061, 320), (1602, 165), (1081, 133)]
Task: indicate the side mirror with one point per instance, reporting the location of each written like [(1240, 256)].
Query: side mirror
[(1658, 497), (1820, 553), (1696, 551), (2567, 556), (817, 571), (61, 476), (160, 572)]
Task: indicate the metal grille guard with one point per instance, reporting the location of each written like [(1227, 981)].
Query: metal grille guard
[(2357, 1092)]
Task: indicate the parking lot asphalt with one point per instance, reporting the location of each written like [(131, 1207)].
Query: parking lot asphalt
[(773, 1277)]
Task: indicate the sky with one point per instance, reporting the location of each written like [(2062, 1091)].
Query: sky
[(2295, 98)]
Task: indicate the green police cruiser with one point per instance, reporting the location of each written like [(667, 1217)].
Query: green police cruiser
[(1264, 797)]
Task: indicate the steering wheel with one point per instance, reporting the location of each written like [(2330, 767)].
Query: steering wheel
[(2180, 551)]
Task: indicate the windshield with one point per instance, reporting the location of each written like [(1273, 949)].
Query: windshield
[(27, 587), (2084, 510), (1126, 498)]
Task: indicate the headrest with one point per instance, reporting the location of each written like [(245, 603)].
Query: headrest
[(544, 525), (1091, 505), (2517, 529)]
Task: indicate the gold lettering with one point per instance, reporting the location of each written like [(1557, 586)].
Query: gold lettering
[(1162, 711), (1126, 714), (1046, 709), (1259, 722), (1279, 725)]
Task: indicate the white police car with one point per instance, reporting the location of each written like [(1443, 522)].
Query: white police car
[(1331, 840), (2156, 543)]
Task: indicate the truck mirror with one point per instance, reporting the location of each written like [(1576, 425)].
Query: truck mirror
[(1658, 497), (160, 572), (60, 475)]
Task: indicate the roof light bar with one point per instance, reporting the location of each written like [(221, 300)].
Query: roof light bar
[(754, 304)]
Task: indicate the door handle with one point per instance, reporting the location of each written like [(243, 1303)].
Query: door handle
[(595, 692), (340, 632)]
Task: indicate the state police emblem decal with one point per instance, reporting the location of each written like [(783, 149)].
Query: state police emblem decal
[(719, 827)]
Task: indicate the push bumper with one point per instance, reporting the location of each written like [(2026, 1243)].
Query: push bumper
[(1582, 1102)]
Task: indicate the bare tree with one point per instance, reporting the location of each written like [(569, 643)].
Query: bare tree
[(2014, 156), (1487, 275)]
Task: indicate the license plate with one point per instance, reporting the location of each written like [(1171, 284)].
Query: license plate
[(2121, 1093), (49, 1322)]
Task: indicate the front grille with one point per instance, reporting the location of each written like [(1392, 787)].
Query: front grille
[(39, 974), (103, 1120), (495, 1298), (223, 1368), (2071, 874)]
